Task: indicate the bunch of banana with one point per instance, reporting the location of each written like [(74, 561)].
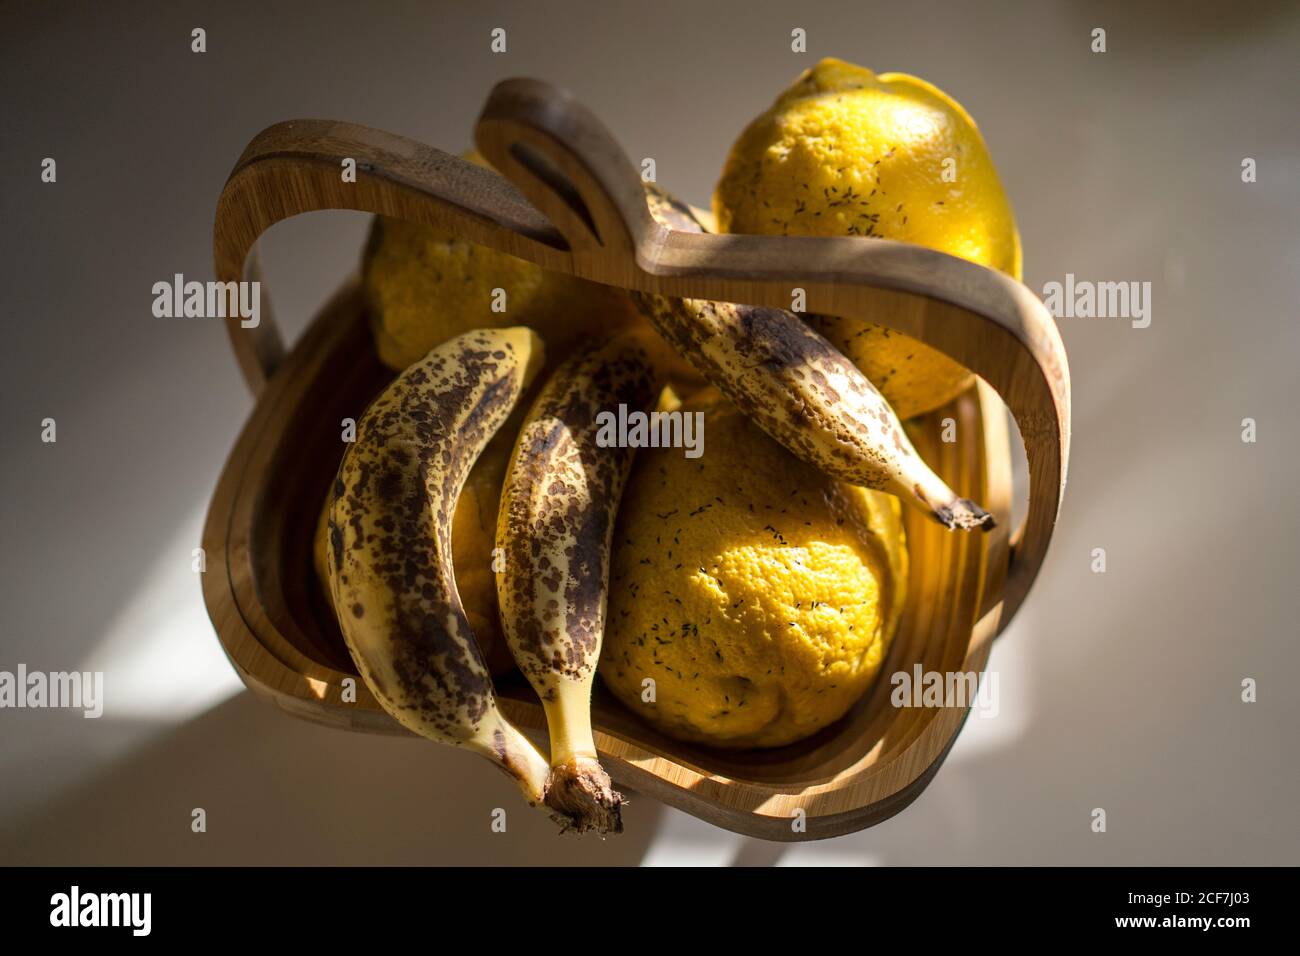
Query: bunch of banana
[(554, 529), (802, 391), (389, 552)]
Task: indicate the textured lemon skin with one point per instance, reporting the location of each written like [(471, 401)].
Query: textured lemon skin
[(423, 287), (846, 152), (759, 595)]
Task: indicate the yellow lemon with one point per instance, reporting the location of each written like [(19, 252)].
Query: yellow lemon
[(757, 594), (423, 287), (844, 151)]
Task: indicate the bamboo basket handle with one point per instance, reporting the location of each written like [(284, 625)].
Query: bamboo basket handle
[(574, 202)]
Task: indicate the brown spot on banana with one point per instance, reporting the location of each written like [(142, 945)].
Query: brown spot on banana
[(555, 529), (390, 544), (807, 395), (800, 389)]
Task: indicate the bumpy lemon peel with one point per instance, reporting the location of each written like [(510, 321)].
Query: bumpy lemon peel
[(423, 286), (758, 595), (844, 151)]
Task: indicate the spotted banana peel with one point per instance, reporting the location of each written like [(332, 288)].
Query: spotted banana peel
[(801, 390), (555, 530), (389, 551)]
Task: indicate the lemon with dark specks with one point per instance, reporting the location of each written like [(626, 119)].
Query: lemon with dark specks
[(846, 152), (757, 594)]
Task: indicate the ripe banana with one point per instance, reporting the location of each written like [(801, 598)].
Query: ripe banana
[(389, 551), (802, 391), (555, 528)]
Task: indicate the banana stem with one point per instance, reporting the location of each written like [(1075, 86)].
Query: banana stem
[(578, 789), (950, 510), (515, 754), (568, 716)]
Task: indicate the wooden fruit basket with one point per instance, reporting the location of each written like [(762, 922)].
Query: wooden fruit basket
[(569, 199)]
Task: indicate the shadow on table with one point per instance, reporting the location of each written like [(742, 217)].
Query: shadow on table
[(267, 782)]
